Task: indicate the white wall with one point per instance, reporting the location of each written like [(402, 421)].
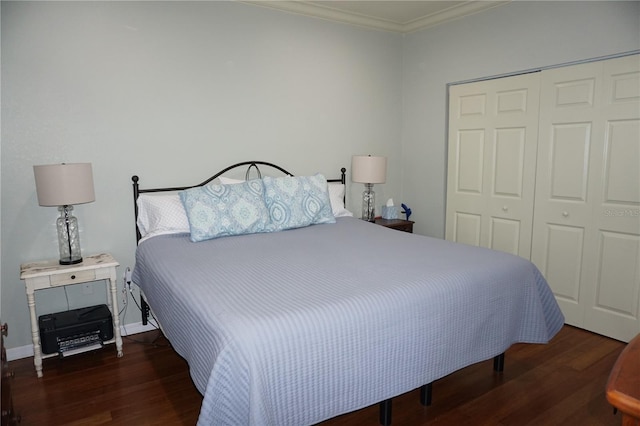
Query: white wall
[(173, 92), (519, 36)]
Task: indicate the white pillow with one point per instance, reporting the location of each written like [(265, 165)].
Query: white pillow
[(229, 181), (161, 214), (336, 196)]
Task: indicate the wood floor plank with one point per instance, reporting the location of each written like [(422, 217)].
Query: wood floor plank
[(561, 383)]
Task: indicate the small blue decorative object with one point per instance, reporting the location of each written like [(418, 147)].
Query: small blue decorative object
[(407, 210)]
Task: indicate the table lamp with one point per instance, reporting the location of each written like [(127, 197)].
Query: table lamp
[(369, 170), (63, 185)]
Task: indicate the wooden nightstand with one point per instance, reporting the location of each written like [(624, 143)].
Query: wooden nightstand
[(399, 224), (49, 274)]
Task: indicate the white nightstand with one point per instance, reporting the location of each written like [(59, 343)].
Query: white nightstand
[(49, 274)]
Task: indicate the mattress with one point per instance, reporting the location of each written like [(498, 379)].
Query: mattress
[(298, 326)]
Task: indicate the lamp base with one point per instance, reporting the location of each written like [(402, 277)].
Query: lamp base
[(68, 237), (70, 261), (369, 203)]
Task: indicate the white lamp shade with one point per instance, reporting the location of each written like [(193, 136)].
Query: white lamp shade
[(64, 184), (368, 169)]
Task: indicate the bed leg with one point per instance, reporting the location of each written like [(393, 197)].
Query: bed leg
[(385, 412), (425, 394), (144, 306), (498, 363)]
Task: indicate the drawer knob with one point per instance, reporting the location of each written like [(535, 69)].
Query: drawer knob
[(565, 214), (73, 277), (505, 208)]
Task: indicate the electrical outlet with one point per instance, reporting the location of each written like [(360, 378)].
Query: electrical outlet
[(87, 288)]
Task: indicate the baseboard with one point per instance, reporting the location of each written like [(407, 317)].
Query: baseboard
[(26, 351), (135, 328)]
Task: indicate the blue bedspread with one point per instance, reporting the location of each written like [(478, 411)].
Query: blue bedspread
[(298, 326)]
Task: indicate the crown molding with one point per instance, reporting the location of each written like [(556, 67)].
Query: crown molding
[(322, 12), (453, 13), (332, 14)]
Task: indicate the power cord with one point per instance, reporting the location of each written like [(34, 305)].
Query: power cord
[(126, 291)]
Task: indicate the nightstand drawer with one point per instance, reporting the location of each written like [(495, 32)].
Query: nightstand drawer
[(73, 277)]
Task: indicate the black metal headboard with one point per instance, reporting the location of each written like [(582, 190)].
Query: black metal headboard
[(250, 165)]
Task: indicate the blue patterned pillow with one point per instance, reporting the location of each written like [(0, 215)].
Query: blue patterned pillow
[(221, 210), (294, 202)]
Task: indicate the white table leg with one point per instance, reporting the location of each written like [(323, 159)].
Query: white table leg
[(35, 335), (113, 285)]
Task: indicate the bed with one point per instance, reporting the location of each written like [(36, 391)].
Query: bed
[(296, 326)]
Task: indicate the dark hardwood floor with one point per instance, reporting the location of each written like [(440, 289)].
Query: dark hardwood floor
[(561, 383)]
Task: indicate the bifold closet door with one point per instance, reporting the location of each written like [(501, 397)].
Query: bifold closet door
[(586, 232), (493, 128)]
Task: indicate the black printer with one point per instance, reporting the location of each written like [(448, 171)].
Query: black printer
[(76, 330)]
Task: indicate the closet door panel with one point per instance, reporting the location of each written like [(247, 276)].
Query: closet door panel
[(569, 157), (588, 178), (622, 174), (467, 228), (491, 167), (505, 235), (508, 160), (562, 264), (615, 296), (618, 253), (569, 128), (469, 162), (613, 291), (510, 170)]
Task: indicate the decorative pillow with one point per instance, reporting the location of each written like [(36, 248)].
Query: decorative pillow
[(297, 201), (161, 214), (221, 210), (336, 196)]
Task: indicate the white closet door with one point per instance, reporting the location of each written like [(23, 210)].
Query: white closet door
[(586, 232), (491, 163)]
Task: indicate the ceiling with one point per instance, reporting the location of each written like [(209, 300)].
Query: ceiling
[(389, 15)]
